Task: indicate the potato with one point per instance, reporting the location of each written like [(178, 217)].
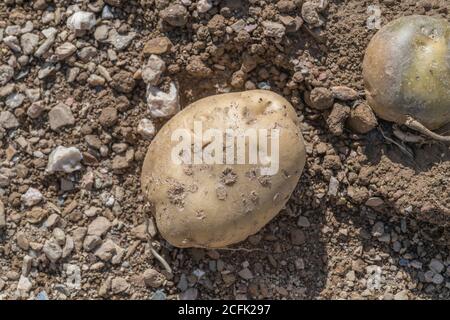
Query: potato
[(406, 71), (213, 204)]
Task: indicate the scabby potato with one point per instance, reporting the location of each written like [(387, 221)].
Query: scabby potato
[(406, 71), (223, 167)]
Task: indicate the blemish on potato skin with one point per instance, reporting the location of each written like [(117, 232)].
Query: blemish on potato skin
[(228, 177), (200, 214), (221, 192), (176, 195), (188, 170), (265, 181)]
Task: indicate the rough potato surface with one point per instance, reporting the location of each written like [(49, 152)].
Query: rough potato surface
[(215, 205)]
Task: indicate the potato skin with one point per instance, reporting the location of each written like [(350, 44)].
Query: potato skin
[(406, 71), (191, 207)]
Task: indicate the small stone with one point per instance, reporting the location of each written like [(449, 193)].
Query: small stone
[(26, 265), (161, 104), (28, 27), (333, 187), (91, 242), (119, 285), (13, 43), (146, 129), (337, 118), (198, 69), (319, 98), (274, 30), (14, 100), (59, 236), (22, 241), (153, 278), (158, 46), (374, 202), (72, 74), (6, 74), (2, 216), (32, 197), (95, 80), (42, 296), (106, 251), (6, 90), (303, 222), (344, 93), (402, 295), (8, 120), (246, 274), (65, 50), (24, 285), (36, 215), (436, 266), (33, 94), (99, 226), (204, 6), (52, 250), (81, 20), (64, 159), (123, 81), (310, 14), (437, 279), (378, 229), (175, 15), (52, 221), (101, 32), (73, 277), (29, 42), (362, 119), (68, 247), (107, 14), (299, 264), (123, 162), (60, 116), (238, 79), (87, 53), (45, 46), (120, 42), (297, 237), (12, 30), (152, 71), (108, 117), (292, 24)]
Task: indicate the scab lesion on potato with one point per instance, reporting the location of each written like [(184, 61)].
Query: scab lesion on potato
[(265, 181), (200, 214), (228, 177), (176, 194), (250, 201), (221, 192)]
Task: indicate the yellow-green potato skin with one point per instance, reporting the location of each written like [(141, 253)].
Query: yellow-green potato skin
[(406, 71), (191, 207)]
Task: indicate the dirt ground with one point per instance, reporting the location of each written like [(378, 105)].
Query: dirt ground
[(367, 220)]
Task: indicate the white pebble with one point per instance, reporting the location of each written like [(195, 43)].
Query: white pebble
[(146, 128), (81, 20), (64, 159), (162, 104)]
